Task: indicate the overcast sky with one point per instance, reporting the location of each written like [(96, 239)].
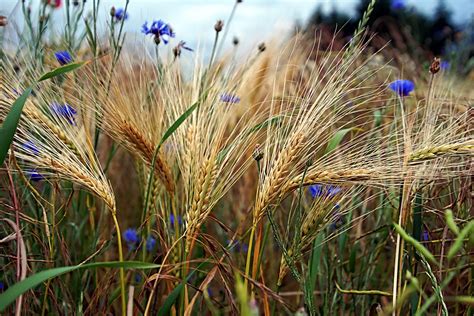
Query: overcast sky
[(254, 21)]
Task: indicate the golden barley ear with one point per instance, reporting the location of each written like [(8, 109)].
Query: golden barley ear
[(52, 142), (132, 113)]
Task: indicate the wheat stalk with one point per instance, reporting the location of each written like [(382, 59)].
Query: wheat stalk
[(200, 202), (272, 185), (141, 147)]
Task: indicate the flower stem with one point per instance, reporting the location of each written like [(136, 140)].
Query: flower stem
[(249, 254), (213, 50), (120, 253), (226, 28)]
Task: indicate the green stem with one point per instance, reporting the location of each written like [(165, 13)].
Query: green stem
[(249, 254), (226, 28), (120, 253), (213, 50)]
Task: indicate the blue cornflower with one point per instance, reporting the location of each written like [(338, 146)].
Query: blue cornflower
[(2, 286), (131, 238), (120, 14), (160, 29), (181, 45), (34, 175), (444, 65), (402, 87), (397, 5), (230, 98), (425, 236), (64, 110), (180, 220), (138, 278), (63, 57), (31, 148), (209, 292), (150, 243), (237, 246), (318, 190)]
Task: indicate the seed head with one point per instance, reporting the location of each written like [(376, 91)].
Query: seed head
[(262, 47), (235, 41), (257, 153), (435, 65), (178, 48), (3, 20), (219, 26), (112, 11)]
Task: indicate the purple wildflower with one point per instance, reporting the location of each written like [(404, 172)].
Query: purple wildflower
[(63, 57), (34, 175), (425, 236), (402, 87), (150, 243), (237, 246), (397, 5), (120, 14), (180, 220), (230, 98), (182, 44), (159, 29), (131, 238), (64, 110), (445, 65), (318, 190), (138, 278), (178, 48), (209, 292), (31, 148)]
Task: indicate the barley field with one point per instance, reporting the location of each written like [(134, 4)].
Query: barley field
[(313, 174)]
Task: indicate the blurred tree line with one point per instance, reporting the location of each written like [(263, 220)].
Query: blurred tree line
[(407, 29)]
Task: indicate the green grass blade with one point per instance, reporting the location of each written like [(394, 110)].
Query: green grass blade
[(178, 122), (165, 136), (337, 138), (62, 70), (315, 258), (417, 216), (457, 245), (415, 243), (174, 295), (8, 129), (29, 283), (451, 223)]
